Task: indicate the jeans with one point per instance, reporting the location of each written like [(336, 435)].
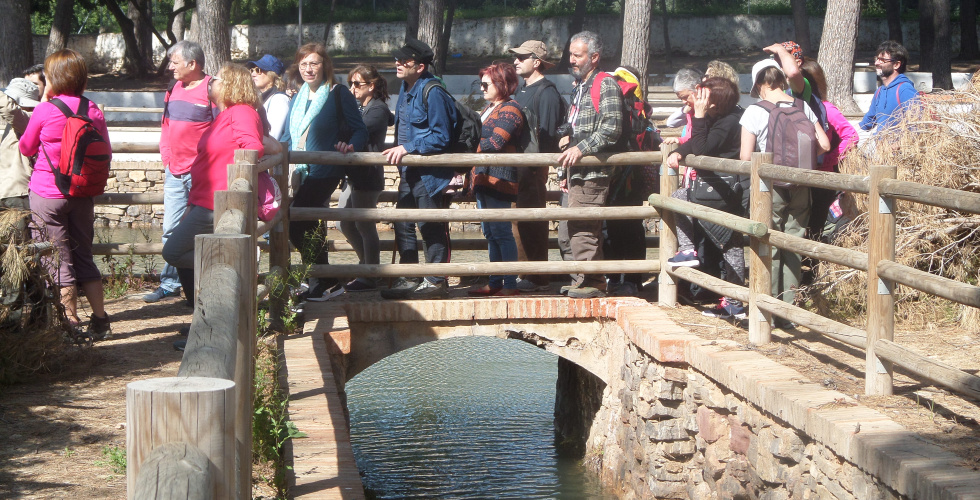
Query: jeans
[(500, 240), (435, 234), (175, 193), (363, 236), (307, 236), (406, 241), (179, 249)]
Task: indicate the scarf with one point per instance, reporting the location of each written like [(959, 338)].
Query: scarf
[(300, 117)]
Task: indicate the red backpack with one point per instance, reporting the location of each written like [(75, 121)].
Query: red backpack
[(83, 168)]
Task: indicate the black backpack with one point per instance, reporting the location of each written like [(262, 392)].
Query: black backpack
[(529, 141), (466, 130)]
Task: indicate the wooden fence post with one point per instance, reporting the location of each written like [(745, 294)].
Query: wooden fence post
[(199, 411), (667, 288), (279, 244), (760, 252), (881, 298)]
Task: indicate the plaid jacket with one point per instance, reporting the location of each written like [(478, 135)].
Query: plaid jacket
[(596, 131)]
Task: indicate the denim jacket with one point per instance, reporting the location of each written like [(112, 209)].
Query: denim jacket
[(428, 132)]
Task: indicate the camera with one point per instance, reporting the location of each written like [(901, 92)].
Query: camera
[(564, 130)]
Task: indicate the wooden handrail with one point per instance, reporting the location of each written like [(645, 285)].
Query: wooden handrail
[(953, 199), (942, 374), (480, 215), (482, 268), (465, 159), (713, 215), (946, 288)]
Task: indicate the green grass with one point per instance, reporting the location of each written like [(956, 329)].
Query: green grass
[(114, 458)]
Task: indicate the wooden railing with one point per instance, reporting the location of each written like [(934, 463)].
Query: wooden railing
[(882, 353)]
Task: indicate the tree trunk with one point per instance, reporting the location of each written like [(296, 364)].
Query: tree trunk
[(132, 63), (442, 52), (138, 13), (969, 47), (430, 24), (412, 23), (60, 26), (893, 11), (636, 38), (942, 71), (801, 25), (17, 49), (927, 37), (213, 35), (194, 31), (180, 22), (578, 20), (837, 43), (668, 58)]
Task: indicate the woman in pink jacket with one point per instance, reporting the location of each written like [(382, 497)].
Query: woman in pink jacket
[(67, 222)]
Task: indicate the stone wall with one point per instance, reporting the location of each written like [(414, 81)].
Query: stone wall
[(669, 431), (716, 35), (132, 177)]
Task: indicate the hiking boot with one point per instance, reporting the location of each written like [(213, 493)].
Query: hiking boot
[(585, 292), (685, 258), (99, 328), (401, 288), (159, 294), (565, 289), (624, 289), (430, 290), (526, 285), (322, 290), (726, 309), (360, 286)]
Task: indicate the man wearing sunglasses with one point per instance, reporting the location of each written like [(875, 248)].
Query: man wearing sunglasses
[(423, 126), (896, 89)]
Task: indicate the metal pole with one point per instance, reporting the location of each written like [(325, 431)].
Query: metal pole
[(299, 34)]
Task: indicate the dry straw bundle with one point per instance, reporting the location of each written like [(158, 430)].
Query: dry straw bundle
[(937, 142), (32, 321)]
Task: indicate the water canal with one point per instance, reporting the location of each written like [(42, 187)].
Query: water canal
[(468, 417)]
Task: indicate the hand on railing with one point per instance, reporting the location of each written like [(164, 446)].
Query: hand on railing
[(394, 155), (343, 147), (271, 146)]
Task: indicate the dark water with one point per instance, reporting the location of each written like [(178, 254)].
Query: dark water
[(463, 418)]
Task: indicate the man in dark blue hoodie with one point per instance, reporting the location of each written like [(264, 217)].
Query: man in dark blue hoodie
[(423, 126), (896, 89)]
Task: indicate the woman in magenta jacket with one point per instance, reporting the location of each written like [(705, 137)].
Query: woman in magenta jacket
[(238, 126), (67, 222)]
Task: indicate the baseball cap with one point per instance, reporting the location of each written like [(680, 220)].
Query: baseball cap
[(415, 50), (24, 91), (537, 49), (268, 62), (794, 49), (759, 67)]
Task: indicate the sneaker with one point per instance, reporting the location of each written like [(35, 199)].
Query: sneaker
[(180, 345), (430, 290), (526, 285), (624, 289), (323, 290), (585, 292), (685, 258), (159, 294), (401, 288), (360, 286), (726, 309), (565, 289), (99, 328)]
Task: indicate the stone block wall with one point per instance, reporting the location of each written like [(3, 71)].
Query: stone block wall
[(668, 431), (132, 177)]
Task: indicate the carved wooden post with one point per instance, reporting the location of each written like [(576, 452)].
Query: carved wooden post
[(198, 411), (881, 299), (760, 253), (667, 293)]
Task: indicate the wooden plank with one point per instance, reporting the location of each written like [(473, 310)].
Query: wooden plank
[(667, 289), (135, 147), (815, 178), (466, 159), (728, 166), (482, 268), (943, 374), (279, 247), (881, 292), (953, 199), (838, 331), (129, 199), (175, 471), (709, 214), (853, 259), (946, 288), (212, 346), (481, 215)]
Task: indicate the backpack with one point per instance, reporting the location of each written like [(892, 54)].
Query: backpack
[(83, 168), (467, 128), (530, 142), (270, 197), (792, 136), (639, 131)]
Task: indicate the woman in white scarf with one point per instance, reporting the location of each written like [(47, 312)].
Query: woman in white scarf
[(323, 114)]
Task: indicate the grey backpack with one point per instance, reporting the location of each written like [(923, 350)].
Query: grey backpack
[(792, 136)]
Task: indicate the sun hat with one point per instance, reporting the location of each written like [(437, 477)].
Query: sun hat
[(268, 62), (24, 91), (537, 49), (794, 49)]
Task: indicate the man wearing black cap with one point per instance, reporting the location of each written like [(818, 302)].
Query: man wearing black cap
[(423, 126), (543, 106)]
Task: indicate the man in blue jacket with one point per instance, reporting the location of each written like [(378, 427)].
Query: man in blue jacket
[(423, 126), (896, 89)]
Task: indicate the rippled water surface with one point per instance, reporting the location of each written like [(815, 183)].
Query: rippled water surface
[(463, 418)]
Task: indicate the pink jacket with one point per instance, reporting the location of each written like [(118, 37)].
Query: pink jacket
[(848, 136), (43, 138), (237, 127)]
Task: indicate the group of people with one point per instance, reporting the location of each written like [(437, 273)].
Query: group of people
[(254, 106), (791, 89)]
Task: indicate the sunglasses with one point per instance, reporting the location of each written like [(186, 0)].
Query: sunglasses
[(358, 84), (884, 59), (524, 57), (485, 86), (404, 62)]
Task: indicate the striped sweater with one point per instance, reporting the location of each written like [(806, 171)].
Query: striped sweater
[(500, 134)]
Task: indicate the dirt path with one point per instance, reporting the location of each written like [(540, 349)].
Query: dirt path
[(53, 430)]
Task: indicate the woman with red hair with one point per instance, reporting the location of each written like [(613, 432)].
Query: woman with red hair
[(496, 187)]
